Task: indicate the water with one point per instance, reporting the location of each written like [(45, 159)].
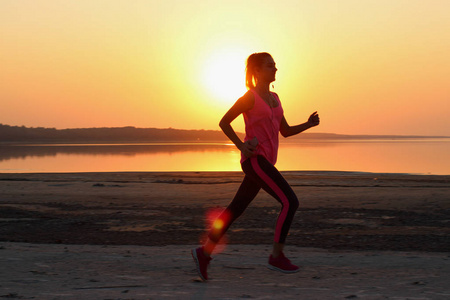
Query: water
[(380, 156)]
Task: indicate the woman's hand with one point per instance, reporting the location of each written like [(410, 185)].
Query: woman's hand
[(314, 119), (248, 148)]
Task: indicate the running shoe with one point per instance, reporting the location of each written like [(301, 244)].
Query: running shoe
[(282, 264), (202, 262)]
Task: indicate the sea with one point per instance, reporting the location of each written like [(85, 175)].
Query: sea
[(407, 156)]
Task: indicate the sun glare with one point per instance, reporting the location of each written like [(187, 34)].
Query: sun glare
[(224, 76)]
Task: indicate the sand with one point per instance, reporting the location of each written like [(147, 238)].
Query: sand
[(129, 235)]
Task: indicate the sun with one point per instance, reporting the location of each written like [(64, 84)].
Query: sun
[(224, 76)]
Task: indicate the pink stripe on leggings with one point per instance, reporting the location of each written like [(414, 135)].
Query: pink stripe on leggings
[(278, 191)]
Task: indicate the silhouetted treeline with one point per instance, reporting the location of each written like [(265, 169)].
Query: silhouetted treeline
[(114, 134), (129, 134)]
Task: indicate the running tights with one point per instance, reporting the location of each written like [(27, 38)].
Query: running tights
[(260, 173)]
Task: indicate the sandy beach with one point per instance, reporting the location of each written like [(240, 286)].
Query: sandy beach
[(129, 235)]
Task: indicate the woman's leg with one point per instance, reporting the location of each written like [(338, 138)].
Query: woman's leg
[(202, 255), (245, 194), (270, 179)]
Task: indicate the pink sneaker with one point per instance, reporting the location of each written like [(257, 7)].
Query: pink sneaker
[(202, 262), (282, 264)]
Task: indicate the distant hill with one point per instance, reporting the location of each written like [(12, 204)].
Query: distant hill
[(22, 134)]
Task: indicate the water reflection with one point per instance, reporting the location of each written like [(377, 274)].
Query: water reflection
[(380, 157), (23, 151), (375, 156), (119, 157)]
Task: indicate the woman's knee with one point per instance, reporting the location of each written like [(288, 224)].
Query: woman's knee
[(293, 202)]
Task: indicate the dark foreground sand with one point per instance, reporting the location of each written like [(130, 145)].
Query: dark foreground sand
[(128, 236)]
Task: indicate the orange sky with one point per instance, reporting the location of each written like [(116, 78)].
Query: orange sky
[(368, 67)]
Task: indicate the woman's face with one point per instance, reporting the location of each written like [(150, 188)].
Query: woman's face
[(266, 72)]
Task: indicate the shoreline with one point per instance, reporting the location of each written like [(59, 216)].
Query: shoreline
[(3, 174)]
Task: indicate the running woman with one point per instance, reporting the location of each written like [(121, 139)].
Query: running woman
[(264, 119)]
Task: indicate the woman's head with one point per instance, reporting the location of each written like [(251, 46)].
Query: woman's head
[(257, 63)]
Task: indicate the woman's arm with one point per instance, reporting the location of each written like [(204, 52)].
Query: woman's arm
[(287, 130), (243, 104)]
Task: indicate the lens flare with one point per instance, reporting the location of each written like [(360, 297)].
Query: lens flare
[(217, 220), (218, 224)]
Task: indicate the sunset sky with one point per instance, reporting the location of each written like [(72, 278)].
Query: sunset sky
[(367, 67)]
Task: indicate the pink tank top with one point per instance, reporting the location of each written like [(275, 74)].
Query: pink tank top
[(263, 122)]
